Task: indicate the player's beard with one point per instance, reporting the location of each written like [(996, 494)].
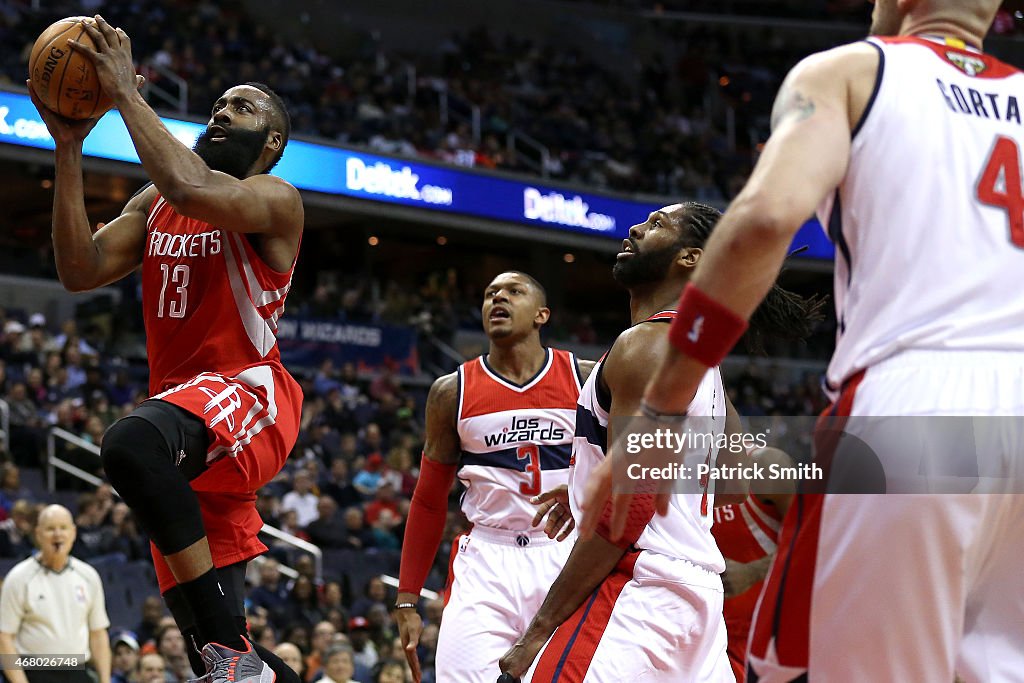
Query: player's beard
[(885, 19), (645, 267), (235, 154)]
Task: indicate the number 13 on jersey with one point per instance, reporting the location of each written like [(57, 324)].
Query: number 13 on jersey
[(1000, 185), (172, 303)]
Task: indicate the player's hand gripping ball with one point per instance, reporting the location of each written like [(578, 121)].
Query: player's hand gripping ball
[(63, 79)]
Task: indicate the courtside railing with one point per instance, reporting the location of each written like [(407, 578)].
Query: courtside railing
[(161, 96), (389, 580), (54, 463)]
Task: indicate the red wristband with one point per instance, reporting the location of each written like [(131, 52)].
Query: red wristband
[(704, 329)]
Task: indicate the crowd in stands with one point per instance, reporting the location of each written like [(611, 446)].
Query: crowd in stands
[(648, 130), (795, 9), (346, 487)]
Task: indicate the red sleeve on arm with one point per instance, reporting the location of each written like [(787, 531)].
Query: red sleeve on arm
[(428, 513), (641, 512)]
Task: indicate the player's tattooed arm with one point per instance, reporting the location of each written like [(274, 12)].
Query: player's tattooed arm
[(442, 441), (791, 102)]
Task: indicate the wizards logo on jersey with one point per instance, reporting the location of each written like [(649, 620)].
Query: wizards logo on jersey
[(522, 429), (972, 66)]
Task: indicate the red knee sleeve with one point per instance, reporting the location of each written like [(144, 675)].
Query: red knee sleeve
[(641, 512), (428, 514)]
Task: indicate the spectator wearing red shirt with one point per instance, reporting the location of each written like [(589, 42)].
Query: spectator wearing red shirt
[(383, 500)]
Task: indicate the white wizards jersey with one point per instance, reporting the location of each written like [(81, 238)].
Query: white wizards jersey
[(685, 532), (929, 221), (515, 440)]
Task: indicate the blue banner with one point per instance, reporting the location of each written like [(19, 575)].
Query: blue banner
[(306, 342), (334, 170)]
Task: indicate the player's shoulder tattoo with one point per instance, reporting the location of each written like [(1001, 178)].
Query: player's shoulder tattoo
[(442, 442), (791, 103), (444, 392)]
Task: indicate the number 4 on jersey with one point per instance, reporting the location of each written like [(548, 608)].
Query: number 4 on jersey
[(1000, 185)]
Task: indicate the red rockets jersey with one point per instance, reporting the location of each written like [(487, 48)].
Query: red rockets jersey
[(745, 532), (210, 303), (516, 439)]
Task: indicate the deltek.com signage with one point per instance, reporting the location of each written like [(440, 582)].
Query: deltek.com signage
[(334, 170)]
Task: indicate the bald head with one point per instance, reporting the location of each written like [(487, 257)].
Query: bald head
[(290, 655), (55, 534), (55, 513)]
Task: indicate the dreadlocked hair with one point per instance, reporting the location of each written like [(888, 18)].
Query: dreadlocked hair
[(782, 315)]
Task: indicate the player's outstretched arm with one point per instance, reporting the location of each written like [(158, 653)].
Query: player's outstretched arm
[(259, 204), (629, 367), (428, 511), (803, 161), (626, 372)]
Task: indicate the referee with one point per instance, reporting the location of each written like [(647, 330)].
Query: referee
[(52, 609)]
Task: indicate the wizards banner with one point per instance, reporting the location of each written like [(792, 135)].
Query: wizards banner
[(306, 342)]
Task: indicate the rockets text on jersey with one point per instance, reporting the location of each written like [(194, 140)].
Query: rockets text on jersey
[(210, 303)]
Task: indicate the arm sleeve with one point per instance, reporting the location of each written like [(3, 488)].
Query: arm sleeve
[(428, 513), (641, 512)]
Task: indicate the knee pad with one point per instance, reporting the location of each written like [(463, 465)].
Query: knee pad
[(156, 429)]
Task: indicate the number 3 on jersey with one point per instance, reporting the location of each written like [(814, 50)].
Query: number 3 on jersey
[(1000, 185), (178, 299), (532, 453)]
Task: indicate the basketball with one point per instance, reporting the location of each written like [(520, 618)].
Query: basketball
[(63, 79)]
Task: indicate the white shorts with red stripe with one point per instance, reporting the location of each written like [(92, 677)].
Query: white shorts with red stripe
[(654, 619), (907, 586), (497, 582)]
